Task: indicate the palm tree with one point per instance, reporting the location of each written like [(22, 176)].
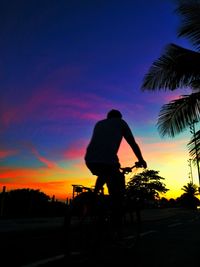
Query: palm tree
[(190, 189), (179, 67), (188, 198)]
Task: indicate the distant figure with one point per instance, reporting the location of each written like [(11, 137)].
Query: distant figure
[(102, 160)]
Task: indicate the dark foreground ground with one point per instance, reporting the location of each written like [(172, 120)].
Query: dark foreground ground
[(168, 237)]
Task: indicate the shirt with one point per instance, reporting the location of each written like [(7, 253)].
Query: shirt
[(106, 138)]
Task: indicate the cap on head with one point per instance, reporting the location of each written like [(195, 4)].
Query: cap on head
[(113, 113)]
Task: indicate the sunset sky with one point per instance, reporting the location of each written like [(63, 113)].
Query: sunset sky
[(63, 65)]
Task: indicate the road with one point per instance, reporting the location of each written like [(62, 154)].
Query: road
[(168, 238), (171, 242)]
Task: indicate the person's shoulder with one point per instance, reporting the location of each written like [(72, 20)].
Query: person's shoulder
[(100, 122), (124, 123), (119, 123), (125, 126)]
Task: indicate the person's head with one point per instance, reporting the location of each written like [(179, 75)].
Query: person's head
[(113, 113)]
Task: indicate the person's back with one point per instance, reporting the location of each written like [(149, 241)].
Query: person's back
[(105, 141)]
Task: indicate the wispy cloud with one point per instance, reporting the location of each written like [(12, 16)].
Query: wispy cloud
[(75, 150), (8, 153), (48, 163), (51, 104)]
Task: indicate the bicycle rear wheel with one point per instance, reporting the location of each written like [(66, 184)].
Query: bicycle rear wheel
[(80, 227)]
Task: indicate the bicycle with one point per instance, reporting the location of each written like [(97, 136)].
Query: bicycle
[(87, 224)]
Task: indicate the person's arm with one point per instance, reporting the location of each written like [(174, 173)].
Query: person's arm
[(135, 147)]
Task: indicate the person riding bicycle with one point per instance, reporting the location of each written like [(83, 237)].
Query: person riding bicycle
[(102, 160)]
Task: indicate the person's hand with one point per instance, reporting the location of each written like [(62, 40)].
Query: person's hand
[(141, 164)]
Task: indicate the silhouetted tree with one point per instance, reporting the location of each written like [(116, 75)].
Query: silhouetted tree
[(172, 202), (26, 202), (146, 186), (179, 67), (163, 202), (30, 202), (189, 199)]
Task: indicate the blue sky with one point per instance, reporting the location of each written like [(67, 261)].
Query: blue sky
[(64, 65)]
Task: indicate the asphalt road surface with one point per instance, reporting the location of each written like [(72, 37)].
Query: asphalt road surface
[(168, 237)]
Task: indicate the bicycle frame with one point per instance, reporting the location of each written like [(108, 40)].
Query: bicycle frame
[(80, 225)]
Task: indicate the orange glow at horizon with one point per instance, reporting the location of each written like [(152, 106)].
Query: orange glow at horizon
[(58, 180)]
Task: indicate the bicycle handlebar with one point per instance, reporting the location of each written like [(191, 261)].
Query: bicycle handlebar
[(127, 170)]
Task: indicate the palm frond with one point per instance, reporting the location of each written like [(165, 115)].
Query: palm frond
[(190, 21), (190, 189), (177, 67), (178, 114), (194, 147)]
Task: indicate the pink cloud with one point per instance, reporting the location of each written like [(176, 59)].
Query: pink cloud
[(48, 163), (49, 103), (57, 100), (162, 97), (43, 98), (76, 150), (7, 153), (9, 115)]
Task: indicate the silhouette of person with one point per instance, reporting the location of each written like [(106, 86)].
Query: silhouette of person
[(102, 160)]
